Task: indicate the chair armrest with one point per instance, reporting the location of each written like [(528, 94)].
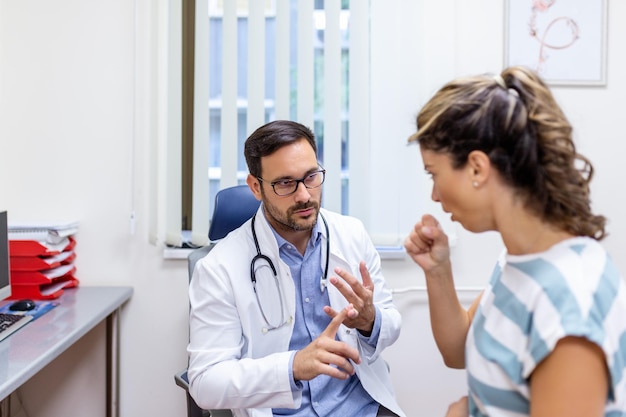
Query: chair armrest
[(182, 380)]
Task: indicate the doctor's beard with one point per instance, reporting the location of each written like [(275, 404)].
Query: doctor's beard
[(287, 221)]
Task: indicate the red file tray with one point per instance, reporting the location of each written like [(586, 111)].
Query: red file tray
[(42, 292), (40, 263), (47, 276), (36, 248)]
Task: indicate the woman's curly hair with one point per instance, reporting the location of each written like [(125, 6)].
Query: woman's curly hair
[(514, 119)]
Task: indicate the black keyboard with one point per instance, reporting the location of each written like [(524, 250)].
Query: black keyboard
[(9, 323)]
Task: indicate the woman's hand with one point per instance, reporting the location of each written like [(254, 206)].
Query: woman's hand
[(427, 244), (458, 408)]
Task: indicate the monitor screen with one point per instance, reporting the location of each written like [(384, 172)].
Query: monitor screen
[(5, 287)]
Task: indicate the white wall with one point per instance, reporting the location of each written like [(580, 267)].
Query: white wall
[(77, 137)]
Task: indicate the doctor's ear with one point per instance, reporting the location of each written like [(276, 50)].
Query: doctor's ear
[(255, 186)]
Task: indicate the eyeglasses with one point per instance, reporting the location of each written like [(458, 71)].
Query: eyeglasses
[(289, 186)]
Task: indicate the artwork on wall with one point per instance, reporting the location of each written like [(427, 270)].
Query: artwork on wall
[(563, 40)]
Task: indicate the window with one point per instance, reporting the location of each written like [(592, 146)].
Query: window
[(246, 71), (351, 70), (261, 61)]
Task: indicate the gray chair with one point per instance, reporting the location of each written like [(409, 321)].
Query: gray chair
[(233, 207)]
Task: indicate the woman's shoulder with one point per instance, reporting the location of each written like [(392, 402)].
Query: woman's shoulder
[(575, 269)]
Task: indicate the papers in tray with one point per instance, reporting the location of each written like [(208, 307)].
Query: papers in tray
[(40, 263), (37, 248), (44, 291), (42, 259), (53, 233), (48, 276)]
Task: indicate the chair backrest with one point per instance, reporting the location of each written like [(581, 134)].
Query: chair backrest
[(233, 207)]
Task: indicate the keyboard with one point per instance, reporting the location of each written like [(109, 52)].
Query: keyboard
[(10, 323)]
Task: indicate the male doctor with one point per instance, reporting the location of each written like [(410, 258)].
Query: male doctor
[(303, 332)]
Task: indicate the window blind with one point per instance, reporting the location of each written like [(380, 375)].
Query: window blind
[(229, 144), (329, 92), (201, 121), (170, 147), (332, 105), (359, 111)]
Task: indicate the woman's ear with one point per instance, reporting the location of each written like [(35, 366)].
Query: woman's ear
[(479, 165)]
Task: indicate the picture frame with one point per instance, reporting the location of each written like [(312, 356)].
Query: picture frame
[(564, 41)]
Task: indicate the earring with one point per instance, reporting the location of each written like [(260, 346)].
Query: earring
[(475, 184)]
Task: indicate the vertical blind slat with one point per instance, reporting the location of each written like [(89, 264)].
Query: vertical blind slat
[(332, 106), (359, 111), (201, 120), (256, 60), (305, 72), (229, 131), (158, 189), (173, 175), (283, 80)]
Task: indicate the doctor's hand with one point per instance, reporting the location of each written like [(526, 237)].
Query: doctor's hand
[(427, 244), (362, 314), (325, 355)]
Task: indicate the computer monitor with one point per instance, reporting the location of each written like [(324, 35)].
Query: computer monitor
[(5, 282)]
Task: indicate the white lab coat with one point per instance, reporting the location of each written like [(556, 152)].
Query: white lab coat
[(234, 363)]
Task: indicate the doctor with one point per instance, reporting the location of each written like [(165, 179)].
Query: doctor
[(290, 312)]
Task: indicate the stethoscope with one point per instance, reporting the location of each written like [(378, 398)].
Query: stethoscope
[(259, 256)]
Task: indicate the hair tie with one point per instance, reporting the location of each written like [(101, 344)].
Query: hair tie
[(500, 81)]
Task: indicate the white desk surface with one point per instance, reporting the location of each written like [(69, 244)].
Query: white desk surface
[(28, 350)]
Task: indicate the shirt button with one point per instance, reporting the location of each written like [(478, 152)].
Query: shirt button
[(307, 299)]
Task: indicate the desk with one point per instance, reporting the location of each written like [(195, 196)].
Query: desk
[(31, 348)]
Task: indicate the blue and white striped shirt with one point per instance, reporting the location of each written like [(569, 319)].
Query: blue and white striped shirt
[(533, 301)]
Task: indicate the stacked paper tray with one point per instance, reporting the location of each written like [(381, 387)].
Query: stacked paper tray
[(41, 263)]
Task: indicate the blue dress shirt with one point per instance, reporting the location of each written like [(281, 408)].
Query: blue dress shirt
[(323, 395)]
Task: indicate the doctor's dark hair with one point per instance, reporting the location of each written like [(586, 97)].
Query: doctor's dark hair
[(515, 120), (272, 136)]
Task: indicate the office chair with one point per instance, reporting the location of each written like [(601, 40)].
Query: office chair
[(233, 207)]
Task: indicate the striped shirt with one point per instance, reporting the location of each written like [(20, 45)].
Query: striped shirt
[(533, 301)]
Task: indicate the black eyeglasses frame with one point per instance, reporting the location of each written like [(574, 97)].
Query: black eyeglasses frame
[(297, 182)]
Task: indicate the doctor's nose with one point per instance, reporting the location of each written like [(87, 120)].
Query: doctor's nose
[(302, 193)]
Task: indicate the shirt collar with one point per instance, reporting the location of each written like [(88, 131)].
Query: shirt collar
[(316, 234)]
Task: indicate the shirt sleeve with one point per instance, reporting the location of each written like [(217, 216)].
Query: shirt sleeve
[(295, 385), (372, 339)]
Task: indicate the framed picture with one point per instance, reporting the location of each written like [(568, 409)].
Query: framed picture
[(563, 40)]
